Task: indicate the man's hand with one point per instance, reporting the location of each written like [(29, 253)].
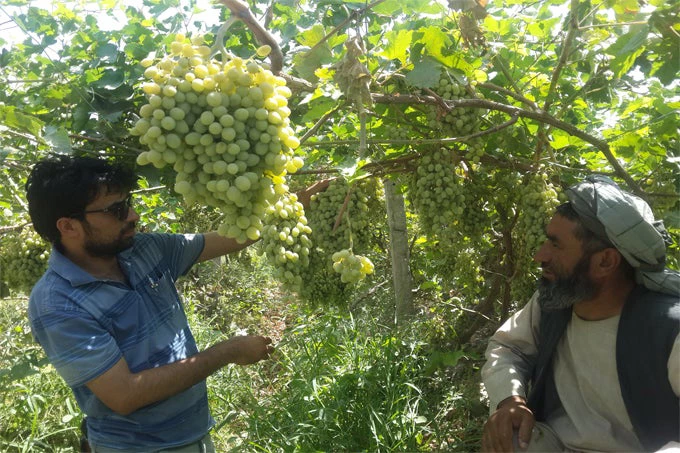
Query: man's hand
[(248, 349), (124, 392), (512, 413)]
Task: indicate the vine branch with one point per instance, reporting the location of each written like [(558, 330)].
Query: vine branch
[(564, 55)]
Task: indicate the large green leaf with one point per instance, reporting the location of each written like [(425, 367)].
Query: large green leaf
[(626, 49), (425, 73), (15, 119), (398, 43)]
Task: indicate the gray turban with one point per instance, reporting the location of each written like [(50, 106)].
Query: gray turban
[(628, 223)]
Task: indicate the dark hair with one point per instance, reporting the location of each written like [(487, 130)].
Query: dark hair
[(62, 186)]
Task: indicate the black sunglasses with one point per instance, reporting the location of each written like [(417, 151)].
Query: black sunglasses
[(119, 209)]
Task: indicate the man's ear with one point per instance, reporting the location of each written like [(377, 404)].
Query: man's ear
[(605, 262), (69, 227)]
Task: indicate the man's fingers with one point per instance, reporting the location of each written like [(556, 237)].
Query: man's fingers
[(504, 438), (524, 434)]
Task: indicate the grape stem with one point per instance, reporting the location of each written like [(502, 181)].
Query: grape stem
[(241, 10), (342, 212), (219, 38)]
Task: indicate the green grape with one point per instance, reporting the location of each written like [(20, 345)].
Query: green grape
[(23, 259), (458, 121), (324, 286), (351, 229), (537, 202)]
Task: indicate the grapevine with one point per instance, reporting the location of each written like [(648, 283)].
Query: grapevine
[(23, 259), (224, 128)]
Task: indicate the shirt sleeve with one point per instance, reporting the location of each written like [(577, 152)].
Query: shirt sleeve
[(181, 250), (510, 355), (78, 347)]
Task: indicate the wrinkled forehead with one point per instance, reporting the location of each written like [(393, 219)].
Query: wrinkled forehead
[(563, 230)]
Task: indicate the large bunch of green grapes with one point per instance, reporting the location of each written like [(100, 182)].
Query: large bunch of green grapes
[(398, 132), (475, 221), (321, 285), (436, 192), (223, 127), (23, 259), (340, 224), (352, 268), (285, 240), (536, 206)]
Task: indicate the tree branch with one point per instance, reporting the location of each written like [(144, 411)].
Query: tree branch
[(242, 11), (89, 138), (419, 141), (319, 123), (10, 228)]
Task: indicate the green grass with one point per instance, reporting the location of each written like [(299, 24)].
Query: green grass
[(336, 383)]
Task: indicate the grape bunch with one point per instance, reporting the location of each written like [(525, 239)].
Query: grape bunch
[(362, 212), (224, 129), (457, 121), (23, 259), (352, 230), (436, 191), (536, 206), (285, 240), (351, 267), (398, 132)]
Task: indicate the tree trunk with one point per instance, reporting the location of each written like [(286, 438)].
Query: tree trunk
[(399, 251)]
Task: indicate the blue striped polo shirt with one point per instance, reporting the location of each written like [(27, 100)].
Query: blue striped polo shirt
[(85, 325)]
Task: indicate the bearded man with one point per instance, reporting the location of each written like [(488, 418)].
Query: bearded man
[(592, 362), (110, 319)]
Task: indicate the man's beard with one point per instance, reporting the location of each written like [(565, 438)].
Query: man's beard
[(565, 291), (113, 248)]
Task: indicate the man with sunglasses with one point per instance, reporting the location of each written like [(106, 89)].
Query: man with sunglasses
[(108, 315), (592, 363)]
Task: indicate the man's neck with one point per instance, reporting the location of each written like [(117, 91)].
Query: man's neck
[(106, 268), (608, 302)]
